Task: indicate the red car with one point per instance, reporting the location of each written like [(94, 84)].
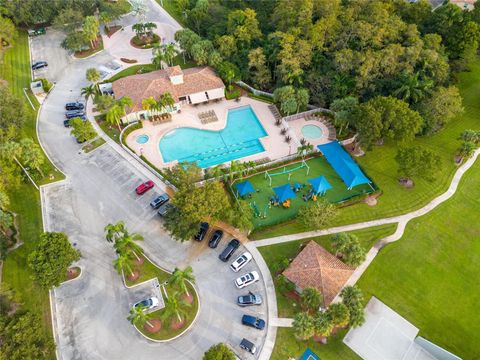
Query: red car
[(143, 188)]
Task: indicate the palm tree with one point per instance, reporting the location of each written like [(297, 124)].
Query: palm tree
[(117, 111), (311, 299), (413, 89), (323, 324), (138, 316), (105, 17), (89, 91), (115, 231), (148, 104), (167, 100), (249, 166), (218, 171), (149, 26), (339, 314), (158, 56), (181, 277), (172, 307), (235, 170), (340, 242), (126, 244), (139, 28), (303, 326), (352, 296), (123, 262), (169, 52)]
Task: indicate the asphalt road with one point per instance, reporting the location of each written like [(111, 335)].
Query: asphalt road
[(91, 311)]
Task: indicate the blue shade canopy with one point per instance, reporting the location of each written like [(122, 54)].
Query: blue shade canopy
[(309, 355), (284, 192), (343, 164), (244, 188), (320, 184)]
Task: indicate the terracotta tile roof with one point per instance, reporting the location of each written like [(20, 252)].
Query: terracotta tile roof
[(316, 267), (155, 83)]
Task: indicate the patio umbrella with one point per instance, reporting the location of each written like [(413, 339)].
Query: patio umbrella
[(320, 184), (284, 192), (244, 188)]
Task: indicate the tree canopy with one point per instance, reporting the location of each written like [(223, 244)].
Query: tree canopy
[(219, 352), (51, 258), (418, 162)]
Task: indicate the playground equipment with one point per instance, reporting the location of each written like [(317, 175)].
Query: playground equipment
[(285, 171)]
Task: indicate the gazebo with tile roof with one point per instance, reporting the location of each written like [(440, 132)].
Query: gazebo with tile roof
[(316, 267)]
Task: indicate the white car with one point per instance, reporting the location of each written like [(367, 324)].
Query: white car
[(241, 261), (147, 303), (247, 279)]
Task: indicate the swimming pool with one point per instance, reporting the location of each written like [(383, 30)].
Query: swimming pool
[(312, 132), (238, 139)]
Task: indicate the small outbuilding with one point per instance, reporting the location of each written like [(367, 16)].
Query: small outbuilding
[(316, 267)]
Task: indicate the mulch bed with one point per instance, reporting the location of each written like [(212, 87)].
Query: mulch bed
[(86, 53), (112, 30), (128, 61), (187, 298), (134, 276), (293, 295), (177, 325), (157, 325), (139, 44), (73, 272)]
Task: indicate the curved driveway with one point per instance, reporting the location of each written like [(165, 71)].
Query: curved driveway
[(91, 311)]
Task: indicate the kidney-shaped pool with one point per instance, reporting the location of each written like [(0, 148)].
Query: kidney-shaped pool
[(238, 139)]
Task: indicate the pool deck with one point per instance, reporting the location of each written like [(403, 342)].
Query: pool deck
[(274, 143), (297, 125)]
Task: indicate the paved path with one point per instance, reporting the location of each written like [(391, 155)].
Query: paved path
[(282, 322), (401, 220)]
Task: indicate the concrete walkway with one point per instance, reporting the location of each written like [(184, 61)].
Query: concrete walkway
[(281, 322), (401, 220)]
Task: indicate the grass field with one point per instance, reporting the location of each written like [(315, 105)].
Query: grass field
[(25, 199), (380, 165), (269, 215), (275, 253), (171, 8), (430, 276), (132, 70)]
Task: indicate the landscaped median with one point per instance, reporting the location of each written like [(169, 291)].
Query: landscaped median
[(181, 301)]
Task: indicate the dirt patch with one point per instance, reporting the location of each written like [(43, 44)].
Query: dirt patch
[(176, 324), (406, 183), (187, 298), (156, 326), (133, 276), (371, 200), (139, 261)]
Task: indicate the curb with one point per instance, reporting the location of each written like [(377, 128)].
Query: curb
[(78, 277)]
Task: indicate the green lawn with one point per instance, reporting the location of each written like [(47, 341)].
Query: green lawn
[(268, 215), (287, 346), (430, 276), (145, 68), (25, 201), (93, 145), (380, 165), (171, 8), (273, 254)]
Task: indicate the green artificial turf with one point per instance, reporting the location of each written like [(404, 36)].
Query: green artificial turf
[(380, 166), (273, 254), (430, 276), (268, 215)]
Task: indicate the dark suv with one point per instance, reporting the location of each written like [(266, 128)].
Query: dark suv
[(229, 250), (215, 239), (39, 65), (249, 299), (74, 113), (164, 209), (202, 231), (74, 106), (159, 201), (248, 345), (253, 321)]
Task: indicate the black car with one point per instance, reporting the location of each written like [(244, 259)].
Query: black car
[(249, 299), (159, 201), (248, 345), (74, 113), (229, 250), (164, 209), (66, 123), (202, 232), (253, 321), (74, 106), (215, 239), (39, 65)]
